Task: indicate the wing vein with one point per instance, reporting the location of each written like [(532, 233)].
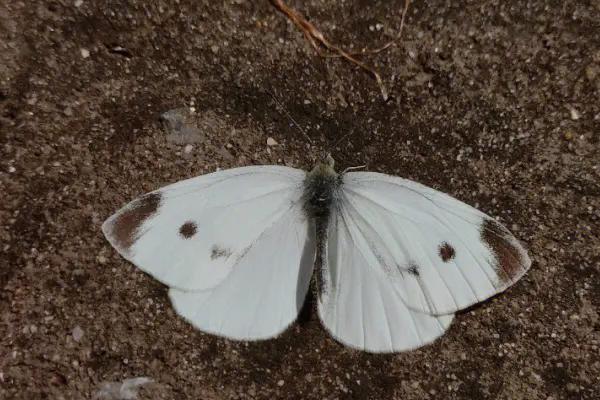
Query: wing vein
[(386, 317)]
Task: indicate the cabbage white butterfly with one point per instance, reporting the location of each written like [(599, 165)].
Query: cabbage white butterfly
[(395, 259)]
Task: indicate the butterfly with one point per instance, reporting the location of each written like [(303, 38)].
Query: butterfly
[(392, 259)]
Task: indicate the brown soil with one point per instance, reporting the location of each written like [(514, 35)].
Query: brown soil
[(494, 102)]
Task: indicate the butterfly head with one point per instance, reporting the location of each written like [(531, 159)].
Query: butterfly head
[(325, 167)]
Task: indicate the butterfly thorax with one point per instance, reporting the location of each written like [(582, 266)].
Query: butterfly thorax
[(320, 187)]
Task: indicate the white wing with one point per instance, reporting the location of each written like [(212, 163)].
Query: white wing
[(234, 246), (358, 303), (439, 254), (265, 291), (191, 234)]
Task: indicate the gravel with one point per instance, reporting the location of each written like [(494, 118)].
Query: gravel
[(493, 102)]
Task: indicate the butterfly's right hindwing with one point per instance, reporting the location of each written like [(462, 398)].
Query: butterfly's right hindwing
[(359, 306)]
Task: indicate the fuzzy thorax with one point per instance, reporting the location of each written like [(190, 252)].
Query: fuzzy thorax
[(320, 186)]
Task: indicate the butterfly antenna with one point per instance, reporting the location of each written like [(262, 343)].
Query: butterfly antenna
[(342, 138), (289, 116), (353, 168)]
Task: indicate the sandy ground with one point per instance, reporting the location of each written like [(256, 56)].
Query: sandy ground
[(494, 102)]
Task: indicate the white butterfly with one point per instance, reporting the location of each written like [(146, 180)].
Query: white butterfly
[(395, 259)]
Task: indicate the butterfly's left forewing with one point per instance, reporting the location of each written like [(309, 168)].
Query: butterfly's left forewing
[(189, 234)]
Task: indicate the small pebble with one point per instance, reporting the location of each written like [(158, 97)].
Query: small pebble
[(568, 135), (271, 141), (575, 115), (188, 149), (85, 53), (280, 383), (77, 333), (12, 169)]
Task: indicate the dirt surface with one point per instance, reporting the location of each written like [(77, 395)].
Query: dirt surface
[(494, 102)]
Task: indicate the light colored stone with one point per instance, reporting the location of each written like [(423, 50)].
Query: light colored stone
[(77, 333)]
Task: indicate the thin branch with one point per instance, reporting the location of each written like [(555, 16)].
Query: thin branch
[(316, 38)]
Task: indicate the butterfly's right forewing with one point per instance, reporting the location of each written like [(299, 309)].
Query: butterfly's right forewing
[(441, 254)]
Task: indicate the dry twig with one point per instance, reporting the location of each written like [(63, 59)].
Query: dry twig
[(318, 40)]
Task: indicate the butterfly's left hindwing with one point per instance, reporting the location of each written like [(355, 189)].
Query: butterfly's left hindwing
[(264, 293), (438, 253)]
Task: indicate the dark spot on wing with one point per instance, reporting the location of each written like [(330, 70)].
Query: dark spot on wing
[(125, 227), (446, 252), (414, 270), (218, 252), (188, 229), (509, 262)]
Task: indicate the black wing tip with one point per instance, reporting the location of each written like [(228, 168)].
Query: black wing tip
[(511, 260), (122, 228)]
